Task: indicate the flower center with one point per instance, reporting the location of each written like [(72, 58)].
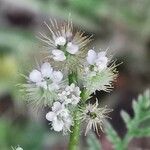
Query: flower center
[(92, 115), (91, 67)]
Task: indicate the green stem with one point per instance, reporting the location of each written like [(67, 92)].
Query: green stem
[(125, 141), (75, 133), (75, 130)]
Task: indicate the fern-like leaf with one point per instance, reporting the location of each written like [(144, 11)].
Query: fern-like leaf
[(93, 143), (136, 126)]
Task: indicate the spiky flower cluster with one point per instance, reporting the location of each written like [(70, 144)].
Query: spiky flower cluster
[(79, 71), (65, 46), (94, 116)]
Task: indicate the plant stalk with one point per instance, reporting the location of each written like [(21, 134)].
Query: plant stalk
[(75, 130), (75, 133)]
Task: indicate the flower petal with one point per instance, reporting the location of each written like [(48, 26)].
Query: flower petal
[(50, 116), (57, 76), (60, 41), (56, 106), (101, 62), (58, 55), (42, 84), (102, 54), (35, 76), (72, 48), (46, 70), (58, 125), (91, 57)]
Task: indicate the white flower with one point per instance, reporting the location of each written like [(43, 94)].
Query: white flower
[(99, 60), (72, 48), (46, 77), (100, 80), (91, 57), (35, 76), (46, 70), (64, 44), (71, 95), (57, 76), (60, 41), (102, 60), (94, 116), (58, 55), (17, 148), (60, 117)]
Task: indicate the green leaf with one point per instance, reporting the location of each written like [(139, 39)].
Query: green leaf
[(113, 136), (125, 117), (93, 143), (138, 126)]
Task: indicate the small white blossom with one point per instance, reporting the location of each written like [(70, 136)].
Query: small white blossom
[(46, 77), (60, 117), (97, 76), (17, 148), (35, 76), (94, 79), (58, 55), (71, 95), (46, 70), (91, 57), (65, 45), (60, 41), (94, 116), (98, 60), (72, 48)]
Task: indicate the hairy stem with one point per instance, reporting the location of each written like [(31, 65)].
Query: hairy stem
[(75, 133), (75, 130)]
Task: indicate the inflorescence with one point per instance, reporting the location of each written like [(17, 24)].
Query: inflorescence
[(49, 85)]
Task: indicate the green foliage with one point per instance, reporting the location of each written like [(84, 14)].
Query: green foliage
[(137, 127), (29, 135), (93, 143), (13, 134)]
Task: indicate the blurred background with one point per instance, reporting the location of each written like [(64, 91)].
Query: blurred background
[(121, 25)]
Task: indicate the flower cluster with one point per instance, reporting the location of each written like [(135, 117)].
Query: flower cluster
[(43, 85), (60, 117), (47, 86), (70, 48), (66, 47), (97, 62), (94, 116), (98, 76), (46, 77), (71, 95)]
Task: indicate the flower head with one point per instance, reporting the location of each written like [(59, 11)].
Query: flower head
[(65, 45), (58, 55), (60, 117), (43, 85), (46, 77), (99, 60), (98, 75), (60, 41), (71, 95), (94, 116)]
